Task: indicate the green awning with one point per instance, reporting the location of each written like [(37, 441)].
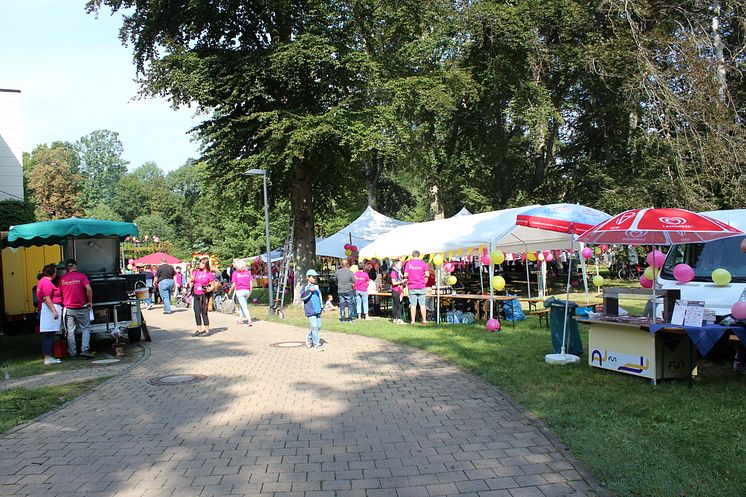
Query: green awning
[(53, 232)]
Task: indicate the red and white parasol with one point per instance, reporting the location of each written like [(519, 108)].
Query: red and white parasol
[(658, 227)]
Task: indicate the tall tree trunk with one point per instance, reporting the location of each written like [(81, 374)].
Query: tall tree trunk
[(372, 175), (437, 210), (717, 45), (304, 239)]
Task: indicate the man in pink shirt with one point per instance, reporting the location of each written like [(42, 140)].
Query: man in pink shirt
[(361, 293), (417, 272), (77, 299)]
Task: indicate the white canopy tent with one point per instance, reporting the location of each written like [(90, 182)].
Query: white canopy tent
[(468, 235), (463, 212), (362, 231), (733, 217), (465, 235)]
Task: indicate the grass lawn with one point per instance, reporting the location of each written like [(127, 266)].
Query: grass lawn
[(22, 404), (639, 439)]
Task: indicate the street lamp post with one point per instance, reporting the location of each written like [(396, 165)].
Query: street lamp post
[(263, 173)]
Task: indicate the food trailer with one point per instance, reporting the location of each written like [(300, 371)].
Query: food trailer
[(95, 245)]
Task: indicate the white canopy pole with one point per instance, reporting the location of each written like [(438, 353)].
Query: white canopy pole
[(655, 304), (492, 290), (437, 297), (543, 290), (563, 357), (585, 273)]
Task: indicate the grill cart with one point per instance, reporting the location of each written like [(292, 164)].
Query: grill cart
[(95, 244)]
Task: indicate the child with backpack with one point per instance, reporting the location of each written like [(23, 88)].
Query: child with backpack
[(311, 296)]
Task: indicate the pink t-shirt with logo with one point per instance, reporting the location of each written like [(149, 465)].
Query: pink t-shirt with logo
[(73, 285), (394, 275), (45, 288), (200, 279), (361, 281), (242, 279), (415, 273)]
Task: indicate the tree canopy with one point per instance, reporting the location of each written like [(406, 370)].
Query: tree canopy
[(421, 107)]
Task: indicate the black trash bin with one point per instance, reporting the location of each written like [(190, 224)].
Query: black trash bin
[(556, 323)]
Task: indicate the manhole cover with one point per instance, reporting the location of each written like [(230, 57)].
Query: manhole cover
[(176, 379), (104, 361), (288, 344)]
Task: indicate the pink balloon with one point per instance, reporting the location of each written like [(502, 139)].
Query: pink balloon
[(348, 246), (604, 247), (549, 257), (493, 325), (738, 310), (448, 266), (645, 283), (587, 253), (683, 273), (353, 248), (485, 260), (254, 301), (132, 261), (656, 258)]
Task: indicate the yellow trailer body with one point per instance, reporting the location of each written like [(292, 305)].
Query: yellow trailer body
[(20, 269)]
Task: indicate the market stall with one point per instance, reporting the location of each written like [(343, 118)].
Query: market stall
[(95, 244), (655, 345)]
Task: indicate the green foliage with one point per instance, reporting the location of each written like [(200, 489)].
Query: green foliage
[(14, 212), (103, 211), (421, 107), (54, 182), (150, 225), (101, 166)]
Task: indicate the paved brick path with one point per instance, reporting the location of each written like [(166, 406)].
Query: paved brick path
[(364, 418)]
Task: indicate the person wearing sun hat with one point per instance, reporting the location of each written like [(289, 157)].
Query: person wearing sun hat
[(311, 296)]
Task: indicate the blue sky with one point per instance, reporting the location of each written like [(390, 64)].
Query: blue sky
[(76, 77)]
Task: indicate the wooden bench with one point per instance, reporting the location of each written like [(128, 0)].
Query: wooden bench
[(542, 314)]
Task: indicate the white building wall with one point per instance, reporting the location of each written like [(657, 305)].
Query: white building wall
[(11, 145)]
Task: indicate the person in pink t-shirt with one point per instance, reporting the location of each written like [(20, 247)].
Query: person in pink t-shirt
[(417, 273), (398, 284), (361, 293), (50, 311), (77, 299), (202, 278), (241, 283)]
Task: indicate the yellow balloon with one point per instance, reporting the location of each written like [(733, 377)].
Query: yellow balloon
[(650, 274), (597, 250), (598, 280), (348, 252), (497, 257), (129, 266), (721, 277), (531, 256), (438, 259), (498, 282), (540, 256), (452, 280)]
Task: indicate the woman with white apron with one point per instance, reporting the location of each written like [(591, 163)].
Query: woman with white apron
[(50, 311)]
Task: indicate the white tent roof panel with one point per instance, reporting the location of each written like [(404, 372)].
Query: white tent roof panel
[(458, 234), (369, 226)]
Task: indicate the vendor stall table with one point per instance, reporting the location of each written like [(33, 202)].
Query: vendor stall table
[(632, 349), (653, 351)]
